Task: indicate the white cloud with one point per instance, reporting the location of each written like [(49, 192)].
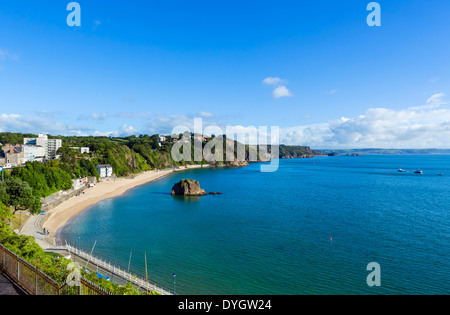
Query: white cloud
[(426, 126), (281, 91), (34, 125), (419, 127), (94, 116), (436, 99), (96, 24), (164, 124), (433, 80), (5, 55), (126, 130), (19, 123), (334, 91), (205, 114), (132, 115), (274, 81), (415, 127)]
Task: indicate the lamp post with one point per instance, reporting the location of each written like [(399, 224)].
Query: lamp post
[(174, 283)]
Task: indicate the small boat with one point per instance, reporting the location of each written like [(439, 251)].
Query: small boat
[(440, 174), (401, 170), (419, 171)]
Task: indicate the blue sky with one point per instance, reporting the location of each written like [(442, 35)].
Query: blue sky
[(146, 66)]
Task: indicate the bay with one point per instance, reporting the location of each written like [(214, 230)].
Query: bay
[(269, 233)]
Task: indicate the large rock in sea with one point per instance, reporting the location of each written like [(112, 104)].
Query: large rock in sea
[(188, 187)]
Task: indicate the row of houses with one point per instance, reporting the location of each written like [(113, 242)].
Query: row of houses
[(195, 137), (38, 149)]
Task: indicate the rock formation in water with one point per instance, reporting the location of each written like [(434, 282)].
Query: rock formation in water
[(188, 187)]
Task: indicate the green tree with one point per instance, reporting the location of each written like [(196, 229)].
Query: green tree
[(19, 194), (5, 213)]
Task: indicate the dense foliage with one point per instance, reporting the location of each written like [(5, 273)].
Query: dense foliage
[(43, 179), (14, 138), (26, 248), (295, 151), (18, 194)]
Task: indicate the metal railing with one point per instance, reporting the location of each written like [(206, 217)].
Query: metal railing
[(35, 282), (114, 270)]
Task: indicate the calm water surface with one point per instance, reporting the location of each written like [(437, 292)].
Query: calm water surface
[(269, 233)]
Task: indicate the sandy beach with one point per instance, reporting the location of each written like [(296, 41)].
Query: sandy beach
[(60, 215)]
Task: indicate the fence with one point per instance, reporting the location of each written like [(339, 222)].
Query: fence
[(115, 270), (35, 282)]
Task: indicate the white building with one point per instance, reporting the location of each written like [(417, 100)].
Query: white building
[(82, 149), (50, 146), (32, 153), (104, 170), (41, 140)]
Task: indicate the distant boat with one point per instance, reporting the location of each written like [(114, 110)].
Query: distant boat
[(419, 171), (401, 170), (440, 174)]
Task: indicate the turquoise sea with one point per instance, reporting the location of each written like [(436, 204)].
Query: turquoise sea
[(269, 233)]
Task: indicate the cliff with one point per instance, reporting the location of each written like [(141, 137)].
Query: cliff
[(296, 152)]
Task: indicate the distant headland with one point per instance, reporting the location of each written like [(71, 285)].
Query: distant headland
[(386, 152)]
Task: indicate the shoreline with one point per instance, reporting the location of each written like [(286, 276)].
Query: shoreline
[(61, 215)]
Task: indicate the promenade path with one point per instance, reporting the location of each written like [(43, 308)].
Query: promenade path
[(33, 227)]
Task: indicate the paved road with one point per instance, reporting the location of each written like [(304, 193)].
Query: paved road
[(6, 287)]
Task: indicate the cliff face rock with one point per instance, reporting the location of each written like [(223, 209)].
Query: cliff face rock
[(188, 187), (297, 152)]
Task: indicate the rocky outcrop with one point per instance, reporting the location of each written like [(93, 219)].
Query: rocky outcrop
[(188, 187), (229, 164), (237, 163)]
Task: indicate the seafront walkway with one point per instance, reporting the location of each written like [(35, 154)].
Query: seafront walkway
[(95, 264), (33, 227)]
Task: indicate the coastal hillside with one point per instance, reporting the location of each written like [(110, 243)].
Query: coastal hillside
[(134, 154), (25, 187)]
